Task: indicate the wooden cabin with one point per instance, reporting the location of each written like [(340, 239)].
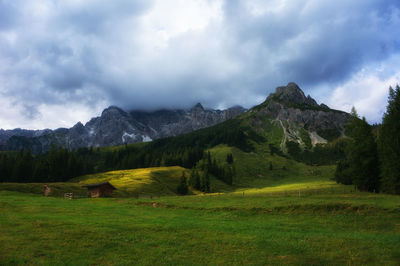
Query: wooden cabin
[(100, 190)]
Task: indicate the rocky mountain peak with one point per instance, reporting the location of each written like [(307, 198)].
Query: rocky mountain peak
[(198, 107), (295, 111), (78, 125), (113, 111), (78, 128), (292, 94)]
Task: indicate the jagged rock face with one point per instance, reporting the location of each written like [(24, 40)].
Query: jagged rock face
[(292, 94), (167, 123), (289, 104), (6, 134), (116, 127)]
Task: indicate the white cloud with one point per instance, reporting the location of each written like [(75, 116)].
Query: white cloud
[(46, 115), (367, 90)]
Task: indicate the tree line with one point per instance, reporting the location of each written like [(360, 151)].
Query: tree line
[(199, 178), (372, 155), (58, 165)]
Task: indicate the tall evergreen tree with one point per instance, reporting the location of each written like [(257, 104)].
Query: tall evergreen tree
[(361, 165), (205, 182), (194, 179), (6, 168), (182, 188), (343, 173), (389, 144), (23, 166), (229, 158)]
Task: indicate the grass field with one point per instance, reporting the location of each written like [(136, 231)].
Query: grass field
[(262, 227), (291, 214)]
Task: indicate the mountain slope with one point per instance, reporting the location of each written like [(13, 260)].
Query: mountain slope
[(294, 117), (117, 127)]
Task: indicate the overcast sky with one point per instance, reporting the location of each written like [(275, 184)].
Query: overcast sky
[(64, 61)]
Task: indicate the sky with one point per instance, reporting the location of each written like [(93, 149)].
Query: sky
[(64, 61)]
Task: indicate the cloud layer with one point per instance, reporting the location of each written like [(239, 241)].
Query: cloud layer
[(64, 61)]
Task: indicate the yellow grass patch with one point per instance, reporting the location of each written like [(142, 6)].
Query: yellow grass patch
[(145, 181)]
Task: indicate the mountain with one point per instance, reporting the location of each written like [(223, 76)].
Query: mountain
[(287, 115), (6, 134), (116, 127), (286, 118), (263, 142)]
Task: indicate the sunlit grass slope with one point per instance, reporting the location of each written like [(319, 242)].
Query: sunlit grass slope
[(260, 169), (156, 181), (148, 181)]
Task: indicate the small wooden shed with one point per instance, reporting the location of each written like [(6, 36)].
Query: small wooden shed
[(100, 189)]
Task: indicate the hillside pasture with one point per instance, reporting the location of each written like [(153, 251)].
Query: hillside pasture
[(321, 229), (144, 182), (292, 214)]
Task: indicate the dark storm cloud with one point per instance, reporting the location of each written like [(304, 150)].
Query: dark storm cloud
[(319, 41), (117, 52), (98, 16), (55, 53)]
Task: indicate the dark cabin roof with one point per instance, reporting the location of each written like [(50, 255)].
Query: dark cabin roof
[(99, 185)]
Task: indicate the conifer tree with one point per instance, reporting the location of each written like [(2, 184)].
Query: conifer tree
[(194, 179), (205, 182), (361, 166), (182, 188), (389, 144), (23, 166), (229, 158), (229, 173)]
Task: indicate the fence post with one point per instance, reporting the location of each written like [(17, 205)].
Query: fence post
[(69, 195)]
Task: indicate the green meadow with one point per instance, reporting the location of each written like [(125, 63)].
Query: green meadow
[(327, 224), (278, 212)]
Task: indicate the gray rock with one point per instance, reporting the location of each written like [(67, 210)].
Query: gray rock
[(289, 104), (116, 127)]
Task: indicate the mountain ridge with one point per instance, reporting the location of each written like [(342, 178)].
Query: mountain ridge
[(116, 126), (293, 116)]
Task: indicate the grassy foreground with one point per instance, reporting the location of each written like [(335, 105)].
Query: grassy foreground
[(260, 227)]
